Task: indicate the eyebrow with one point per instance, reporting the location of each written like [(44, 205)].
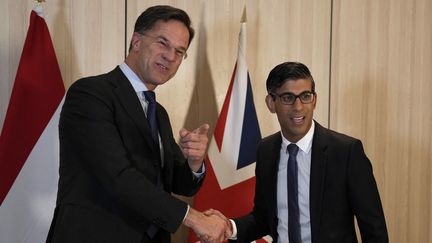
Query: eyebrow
[(291, 93), (182, 48)]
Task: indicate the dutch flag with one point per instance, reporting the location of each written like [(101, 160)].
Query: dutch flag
[(29, 149)]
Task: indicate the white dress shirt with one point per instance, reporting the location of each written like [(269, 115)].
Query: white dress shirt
[(303, 165)]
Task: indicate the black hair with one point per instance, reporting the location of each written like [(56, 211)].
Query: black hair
[(287, 71)]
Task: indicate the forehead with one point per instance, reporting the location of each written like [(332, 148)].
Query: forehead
[(173, 30), (295, 86)]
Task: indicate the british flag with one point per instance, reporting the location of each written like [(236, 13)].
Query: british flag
[(230, 181)]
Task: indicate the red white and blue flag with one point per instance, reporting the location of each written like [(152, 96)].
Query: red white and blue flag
[(29, 149), (230, 164)]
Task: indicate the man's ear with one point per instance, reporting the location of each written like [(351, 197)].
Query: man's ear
[(136, 41), (270, 103)]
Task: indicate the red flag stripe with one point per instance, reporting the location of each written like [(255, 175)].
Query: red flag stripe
[(231, 198), (37, 92), (220, 124)]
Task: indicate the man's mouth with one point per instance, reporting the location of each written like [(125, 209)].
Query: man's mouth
[(162, 66), (298, 119)]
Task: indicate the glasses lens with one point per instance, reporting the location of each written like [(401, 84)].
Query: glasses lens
[(288, 99), (306, 97)]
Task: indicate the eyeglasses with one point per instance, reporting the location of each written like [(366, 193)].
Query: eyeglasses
[(165, 45), (288, 98)]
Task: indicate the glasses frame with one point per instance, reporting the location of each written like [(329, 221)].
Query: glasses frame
[(299, 96), (165, 44)]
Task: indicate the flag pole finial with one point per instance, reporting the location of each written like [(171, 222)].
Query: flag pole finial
[(37, 7), (244, 19)]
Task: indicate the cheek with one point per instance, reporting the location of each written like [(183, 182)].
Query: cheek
[(142, 60), (175, 67), (311, 110), (282, 110), (282, 116)]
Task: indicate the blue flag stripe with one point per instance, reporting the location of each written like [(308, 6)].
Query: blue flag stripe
[(251, 134)]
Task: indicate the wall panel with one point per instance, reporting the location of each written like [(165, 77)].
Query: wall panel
[(88, 38), (381, 69)]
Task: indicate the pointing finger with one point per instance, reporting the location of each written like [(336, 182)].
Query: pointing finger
[(203, 129), (183, 132)]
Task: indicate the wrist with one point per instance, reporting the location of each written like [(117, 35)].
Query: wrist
[(196, 166), (192, 218)]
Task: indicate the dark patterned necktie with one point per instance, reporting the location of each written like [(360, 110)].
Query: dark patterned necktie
[(151, 114), (293, 207), (151, 118)]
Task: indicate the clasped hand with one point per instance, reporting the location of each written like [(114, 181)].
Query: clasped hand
[(210, 226)]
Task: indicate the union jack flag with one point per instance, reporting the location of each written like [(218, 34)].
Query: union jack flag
[(230, 181)]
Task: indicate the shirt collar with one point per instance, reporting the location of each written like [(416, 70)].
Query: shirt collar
[(305, 143), (137, 84)]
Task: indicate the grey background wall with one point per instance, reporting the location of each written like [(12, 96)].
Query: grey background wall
[(372, 61)]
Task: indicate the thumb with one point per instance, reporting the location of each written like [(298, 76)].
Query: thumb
[(203, 129), (183, 132), (208, 212)]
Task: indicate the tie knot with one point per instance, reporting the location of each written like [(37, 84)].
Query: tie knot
[(293, 149), (150, 96)]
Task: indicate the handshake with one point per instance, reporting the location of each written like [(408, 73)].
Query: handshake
[(210, 226)]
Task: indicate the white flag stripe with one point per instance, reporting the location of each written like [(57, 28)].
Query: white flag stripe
[(225, 162), (27, 211), (227, 174), (234, 122)]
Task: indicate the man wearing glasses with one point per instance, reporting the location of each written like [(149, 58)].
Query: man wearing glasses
[(311, 182), (119, 161)]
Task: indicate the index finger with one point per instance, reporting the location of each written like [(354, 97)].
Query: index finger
[(203, 129)]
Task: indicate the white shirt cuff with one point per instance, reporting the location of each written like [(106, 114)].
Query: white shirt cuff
[(198, 175), (234, 229), (187, 211)]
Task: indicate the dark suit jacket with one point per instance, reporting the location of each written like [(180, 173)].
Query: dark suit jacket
[(342, 186), (109, 167)]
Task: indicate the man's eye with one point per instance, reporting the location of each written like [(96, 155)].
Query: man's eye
[(180, 53), (306, 96), (162, 43), (288, 98)]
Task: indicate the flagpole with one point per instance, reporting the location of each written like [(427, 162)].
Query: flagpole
[(38, 7), (244, 18)]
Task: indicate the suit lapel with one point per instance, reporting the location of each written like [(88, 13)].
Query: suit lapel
[(166, 135), (317, 176), (131, 104), (272, 165)]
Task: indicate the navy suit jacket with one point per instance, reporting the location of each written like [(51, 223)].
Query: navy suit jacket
[(342, 186), (110, 167)]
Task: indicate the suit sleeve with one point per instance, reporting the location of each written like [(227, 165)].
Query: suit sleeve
[(183, 181), (255, 225), (364, 196), (90, 133)]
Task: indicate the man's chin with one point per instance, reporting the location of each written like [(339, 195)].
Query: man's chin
[(157, 82)]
